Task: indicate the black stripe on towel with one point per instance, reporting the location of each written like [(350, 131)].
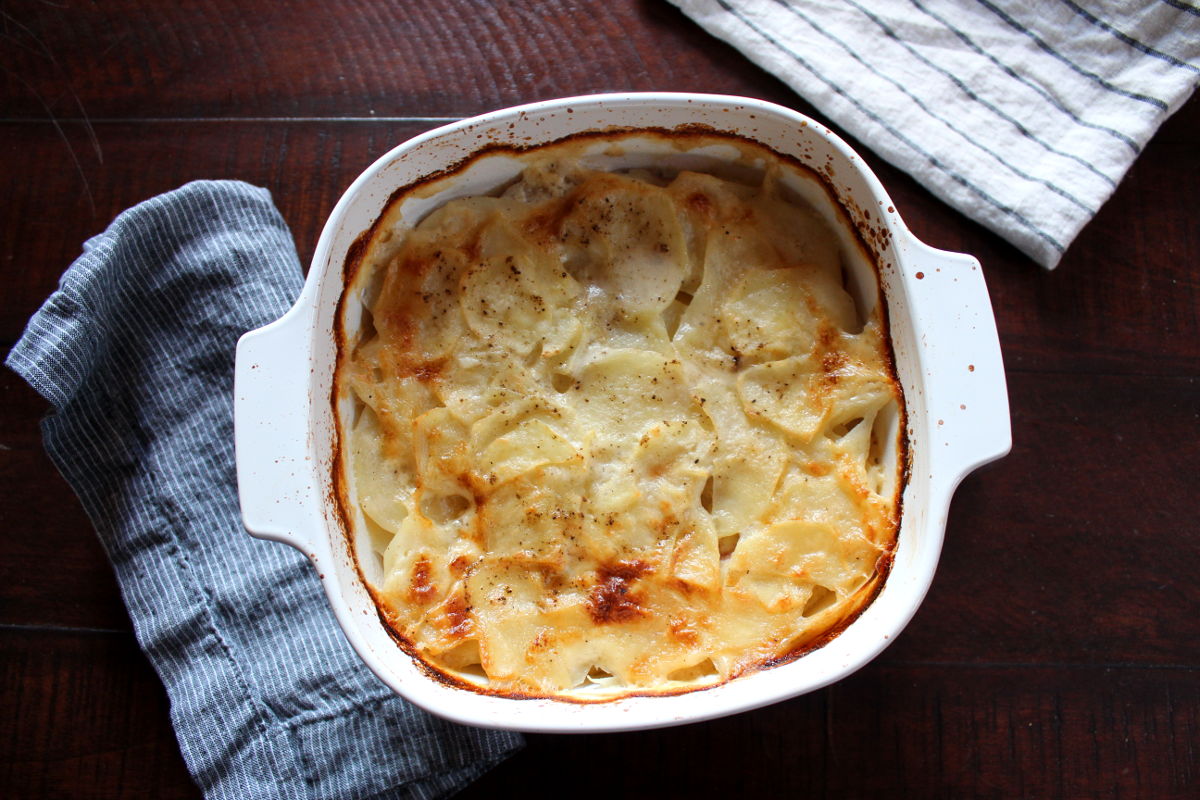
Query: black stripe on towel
[(1012, 73), (1041, 43), (1129, 40), (932, 159), (1183, 6), (930, 113), (1028, 134)]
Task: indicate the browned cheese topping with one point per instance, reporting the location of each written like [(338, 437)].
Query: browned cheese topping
[(620, 432)]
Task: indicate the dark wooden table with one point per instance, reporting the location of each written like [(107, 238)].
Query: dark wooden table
[(1058, 653)]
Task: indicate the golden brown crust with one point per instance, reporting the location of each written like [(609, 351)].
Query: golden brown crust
[(486, 555)]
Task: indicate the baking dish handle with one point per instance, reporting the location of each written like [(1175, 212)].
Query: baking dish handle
[(968, 397), (271, 437)]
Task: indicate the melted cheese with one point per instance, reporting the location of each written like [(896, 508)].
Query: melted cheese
[(620, 433)]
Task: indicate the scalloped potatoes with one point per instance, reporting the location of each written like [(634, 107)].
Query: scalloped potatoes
[(620, 433)]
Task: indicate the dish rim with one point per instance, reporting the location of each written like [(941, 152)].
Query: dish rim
[(913, 261)]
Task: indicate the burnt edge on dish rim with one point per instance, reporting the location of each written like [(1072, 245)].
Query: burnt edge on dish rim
[(339, 491)]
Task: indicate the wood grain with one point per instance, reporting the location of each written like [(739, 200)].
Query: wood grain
[(222, 58), (96, 719), (90, 719), (1058, 553), (1119, 302), (306, 166), (920, 731), (1079, 547)]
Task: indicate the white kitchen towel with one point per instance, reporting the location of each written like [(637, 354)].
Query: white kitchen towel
[(1022, 114)]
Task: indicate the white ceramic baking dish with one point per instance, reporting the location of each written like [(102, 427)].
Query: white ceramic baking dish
[(942, 329)]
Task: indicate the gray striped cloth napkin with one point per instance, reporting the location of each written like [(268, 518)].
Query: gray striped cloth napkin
[(135, 353), (1022, 115)]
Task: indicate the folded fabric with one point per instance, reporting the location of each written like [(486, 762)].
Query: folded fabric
[(135, 353), (1024, 116)]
